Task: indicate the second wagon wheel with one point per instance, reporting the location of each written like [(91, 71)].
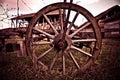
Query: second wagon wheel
[(71, 45)]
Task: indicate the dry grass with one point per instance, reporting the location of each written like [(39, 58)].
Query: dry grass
[(107, 66)]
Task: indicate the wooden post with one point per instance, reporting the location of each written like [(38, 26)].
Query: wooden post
[(22, 51)]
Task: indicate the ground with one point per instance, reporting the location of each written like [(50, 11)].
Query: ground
[(106, 67)]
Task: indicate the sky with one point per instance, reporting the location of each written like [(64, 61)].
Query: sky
[(30, 6)]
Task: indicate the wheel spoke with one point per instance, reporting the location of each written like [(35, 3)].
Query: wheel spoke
[(44, 67), (71, 55), (61, 19), (50, 24), (78, 30), (63, 61), (84, 40), (73, 47), (66, 20), (41, 31), (46, 52), (71, 1), (53, 61), (41, 43), (64, 0), (68, 15), (71, 24)]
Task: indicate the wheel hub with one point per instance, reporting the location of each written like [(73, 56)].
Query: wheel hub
[(61, 42)]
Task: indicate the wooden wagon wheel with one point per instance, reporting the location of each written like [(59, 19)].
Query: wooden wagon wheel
[(68, 49)]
